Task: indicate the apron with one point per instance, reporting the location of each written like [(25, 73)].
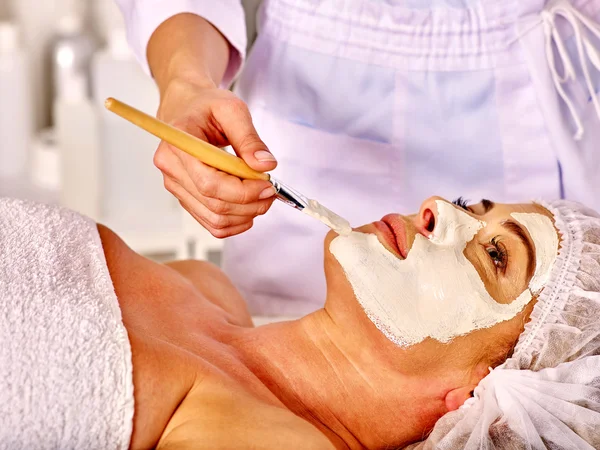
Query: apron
[(372, 106)]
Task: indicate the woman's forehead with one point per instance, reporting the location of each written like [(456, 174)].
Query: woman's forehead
[(505, 209)]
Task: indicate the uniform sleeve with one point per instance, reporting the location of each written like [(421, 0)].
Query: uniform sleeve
[(142, 18)]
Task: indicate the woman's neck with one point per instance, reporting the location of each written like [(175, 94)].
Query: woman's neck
[(339, 383)]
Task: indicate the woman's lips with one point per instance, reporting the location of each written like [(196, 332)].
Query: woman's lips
[(393, 232)]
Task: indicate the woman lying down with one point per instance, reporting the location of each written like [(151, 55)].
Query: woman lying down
[(458, 327)]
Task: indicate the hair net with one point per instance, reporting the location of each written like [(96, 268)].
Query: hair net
[(547, 395)]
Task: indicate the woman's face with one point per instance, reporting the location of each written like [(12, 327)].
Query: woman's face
[(448, 270)]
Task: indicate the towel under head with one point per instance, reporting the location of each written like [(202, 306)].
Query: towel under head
[(65, 358)]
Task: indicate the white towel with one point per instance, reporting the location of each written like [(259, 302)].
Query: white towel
[(65, 358)]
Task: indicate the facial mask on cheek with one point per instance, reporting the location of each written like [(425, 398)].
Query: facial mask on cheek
[(545, 240), (436, 292)]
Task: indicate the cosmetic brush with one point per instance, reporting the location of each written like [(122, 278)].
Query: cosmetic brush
[(226, 162)]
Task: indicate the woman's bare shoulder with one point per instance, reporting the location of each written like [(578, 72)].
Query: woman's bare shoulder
[(205, 277)]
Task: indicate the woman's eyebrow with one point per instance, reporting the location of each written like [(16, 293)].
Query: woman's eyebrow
[(516, 229), (487, 204)]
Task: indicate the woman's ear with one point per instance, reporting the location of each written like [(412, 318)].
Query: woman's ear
[(456, 397)]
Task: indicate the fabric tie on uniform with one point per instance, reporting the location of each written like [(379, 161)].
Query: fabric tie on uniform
[(587, 53)]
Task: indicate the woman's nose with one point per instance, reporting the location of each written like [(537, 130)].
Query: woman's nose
[(427, 218)]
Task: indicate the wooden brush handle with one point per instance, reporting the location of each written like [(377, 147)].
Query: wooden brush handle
[(205, 152)]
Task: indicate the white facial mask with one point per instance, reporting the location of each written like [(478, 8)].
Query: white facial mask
[(436, 292), (545, 241)]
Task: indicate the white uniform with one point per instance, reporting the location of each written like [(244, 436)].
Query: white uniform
[(370, 106)]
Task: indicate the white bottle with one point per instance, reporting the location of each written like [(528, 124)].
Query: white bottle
[(72, 50), (45, 167), (77, 131), (16, 122), (134, 197)]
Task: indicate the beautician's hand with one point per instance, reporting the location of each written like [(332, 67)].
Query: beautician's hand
[(222, 203)]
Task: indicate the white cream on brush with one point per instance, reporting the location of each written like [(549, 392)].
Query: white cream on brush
[(337, 223)]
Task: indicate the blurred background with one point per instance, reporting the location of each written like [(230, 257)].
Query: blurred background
[(59, 61)]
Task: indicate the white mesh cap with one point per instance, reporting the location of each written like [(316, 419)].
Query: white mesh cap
[(547, 395)]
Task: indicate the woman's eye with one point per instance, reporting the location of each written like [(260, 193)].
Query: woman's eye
[(498, 254)]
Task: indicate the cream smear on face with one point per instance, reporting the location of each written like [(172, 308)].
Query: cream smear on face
[(337, 223), (436, 291)]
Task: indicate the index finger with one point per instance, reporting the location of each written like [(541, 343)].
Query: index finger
[(236, 123)]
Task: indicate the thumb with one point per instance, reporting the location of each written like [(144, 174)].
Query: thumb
[(236, 123)]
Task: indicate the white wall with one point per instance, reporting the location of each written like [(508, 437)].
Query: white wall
[(38, 18)]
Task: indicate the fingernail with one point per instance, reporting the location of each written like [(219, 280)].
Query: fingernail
[(264, 156), (268, 192)]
